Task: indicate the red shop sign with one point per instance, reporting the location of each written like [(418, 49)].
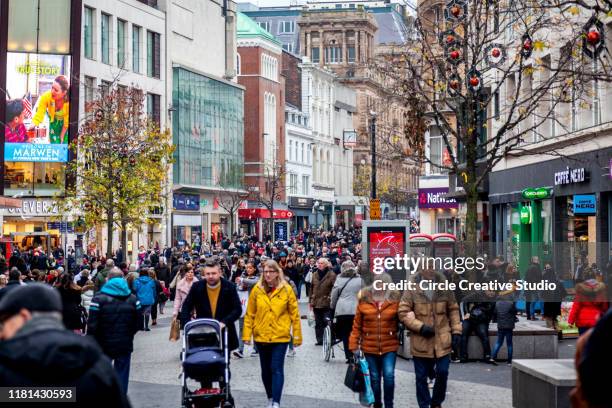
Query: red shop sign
[(255, 213)]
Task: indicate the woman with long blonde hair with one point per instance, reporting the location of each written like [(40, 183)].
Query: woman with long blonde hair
[(272, 316)]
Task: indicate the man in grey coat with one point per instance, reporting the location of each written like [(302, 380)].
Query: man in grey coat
[(344, 303)]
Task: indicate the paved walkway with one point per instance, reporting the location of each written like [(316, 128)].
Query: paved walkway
[(309, 381)]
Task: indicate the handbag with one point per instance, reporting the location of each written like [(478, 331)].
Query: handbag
[(175, 330), (353, 378)]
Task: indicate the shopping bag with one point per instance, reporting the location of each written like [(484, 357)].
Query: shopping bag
[(311, 319), (366, 397), (243, 295), (175, 330), (353, 378)]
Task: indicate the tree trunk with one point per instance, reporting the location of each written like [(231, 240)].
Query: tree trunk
[(109, 234), (124, 240), (232, 221)]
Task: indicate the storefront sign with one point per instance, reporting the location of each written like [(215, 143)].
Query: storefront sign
[(34, 208), (571, 176), (436, 198), (300, 202), (585, 204), (186, 202), (255, 213), (539, 193)]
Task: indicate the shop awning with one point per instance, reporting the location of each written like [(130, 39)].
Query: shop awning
[(8, 202)]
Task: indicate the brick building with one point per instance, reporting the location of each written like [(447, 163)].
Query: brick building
[(259, 71)]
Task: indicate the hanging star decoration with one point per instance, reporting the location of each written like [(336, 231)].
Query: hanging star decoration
[(593, 37), (474, 80), (495, 54), (455, 11)]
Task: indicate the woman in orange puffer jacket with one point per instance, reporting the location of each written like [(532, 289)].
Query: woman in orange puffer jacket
[(375, 329)]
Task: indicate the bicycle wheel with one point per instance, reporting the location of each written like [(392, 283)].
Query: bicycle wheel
[(327, 343)]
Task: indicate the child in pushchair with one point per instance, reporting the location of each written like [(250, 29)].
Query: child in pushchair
[(205, 359)]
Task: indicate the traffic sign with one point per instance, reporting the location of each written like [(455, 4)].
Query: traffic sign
[(375, 209)]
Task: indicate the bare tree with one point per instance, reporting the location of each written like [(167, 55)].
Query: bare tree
[(496, 78), (273, 191), (230, 198)]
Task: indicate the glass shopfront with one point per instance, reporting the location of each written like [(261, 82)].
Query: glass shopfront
[(208, 131)]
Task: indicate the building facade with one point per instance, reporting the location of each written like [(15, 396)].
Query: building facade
[(260, 59), (37, 50), (207, 116)]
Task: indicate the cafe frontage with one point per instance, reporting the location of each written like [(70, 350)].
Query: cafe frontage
[(558, 210)]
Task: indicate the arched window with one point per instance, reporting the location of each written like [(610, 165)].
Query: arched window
[(238, 64)]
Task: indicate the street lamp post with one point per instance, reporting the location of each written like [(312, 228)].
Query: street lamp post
[(373, 151)]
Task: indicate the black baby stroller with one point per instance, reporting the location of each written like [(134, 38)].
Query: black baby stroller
[(205, 359)]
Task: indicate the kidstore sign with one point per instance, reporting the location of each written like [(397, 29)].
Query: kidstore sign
[(571, 176), (436, 198)]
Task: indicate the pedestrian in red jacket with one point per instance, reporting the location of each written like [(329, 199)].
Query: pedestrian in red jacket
[(590, 303)]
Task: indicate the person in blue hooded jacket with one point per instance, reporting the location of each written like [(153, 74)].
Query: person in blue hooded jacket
[(146, 292), (114, 319)]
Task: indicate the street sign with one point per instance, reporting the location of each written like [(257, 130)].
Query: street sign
[(375, 209)]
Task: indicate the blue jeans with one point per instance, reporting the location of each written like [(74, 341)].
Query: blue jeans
[(382, 366), (272, 361), (298, 286), (122, 369), (501, 335), (423, 366)]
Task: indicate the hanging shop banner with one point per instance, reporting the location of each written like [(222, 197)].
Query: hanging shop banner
[(37, 108), (585, 204), (436, 198)]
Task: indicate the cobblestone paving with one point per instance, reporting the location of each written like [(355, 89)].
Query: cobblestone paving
[(309, 381)]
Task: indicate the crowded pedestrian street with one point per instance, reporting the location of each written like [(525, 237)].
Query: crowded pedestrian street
[(305, 203), (310, 381)]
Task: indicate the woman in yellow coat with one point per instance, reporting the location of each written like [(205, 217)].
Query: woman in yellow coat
[(54, 104), (272, 312)]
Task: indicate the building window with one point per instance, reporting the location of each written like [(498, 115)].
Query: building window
[(290, 149), (302, 153), (286, 27), (238, 63), (288, 47), (436, 151), (104, 88), (135, 48), (153, 107), (265, 25), (496, 107), (314, 52), (269, 67), (351, 54), (38, 26), (596, 108), (121, 43), (90, 87), (153, 54), (333, 55), (269, 129), (105, 38), (88, 27), (293, 184), (305, 185)]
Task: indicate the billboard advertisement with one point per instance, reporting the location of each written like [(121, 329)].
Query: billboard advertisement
[(37, 108)]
